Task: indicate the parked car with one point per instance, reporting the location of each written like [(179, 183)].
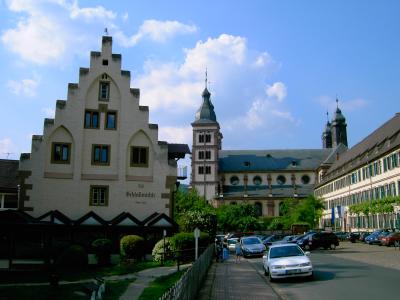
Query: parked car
[(381, 236), (317, 240), (287, 260), (285, 239), (251, 246), (273, 238), (232, 243), (390, 239), (353, 237), (363, 235), (373, 238), (342, 235)]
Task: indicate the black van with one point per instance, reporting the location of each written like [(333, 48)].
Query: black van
[(319, 239)]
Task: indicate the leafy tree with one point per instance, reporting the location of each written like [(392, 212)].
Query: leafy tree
[(193, 211), (240, 217)]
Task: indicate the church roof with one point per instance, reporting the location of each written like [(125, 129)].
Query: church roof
[(271, 160), (206, 113)]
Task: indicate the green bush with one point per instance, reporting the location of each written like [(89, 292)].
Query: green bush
[(102, 250), (75, 256), (159, 249), (183, 244), (132, 246)]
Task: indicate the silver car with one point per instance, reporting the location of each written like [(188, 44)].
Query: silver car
[(287, 260), (251, 246)]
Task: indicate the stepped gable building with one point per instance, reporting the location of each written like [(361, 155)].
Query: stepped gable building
[(100, 158), (263, 178), (368, 171)]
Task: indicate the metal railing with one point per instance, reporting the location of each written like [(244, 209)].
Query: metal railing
[(188, 286)]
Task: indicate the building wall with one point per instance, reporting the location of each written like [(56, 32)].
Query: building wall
[(377, 179), (66, 187)]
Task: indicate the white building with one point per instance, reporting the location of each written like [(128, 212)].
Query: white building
[(368, 171), (100, 154)]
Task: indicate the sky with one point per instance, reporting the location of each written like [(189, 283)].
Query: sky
[(275, 68)]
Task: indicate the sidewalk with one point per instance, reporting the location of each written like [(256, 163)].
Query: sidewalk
[(230, 280)]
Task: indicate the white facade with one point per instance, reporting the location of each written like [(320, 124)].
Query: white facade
[(111, 160)]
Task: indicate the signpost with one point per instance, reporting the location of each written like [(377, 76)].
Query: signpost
[(196, 238), (163, 255)]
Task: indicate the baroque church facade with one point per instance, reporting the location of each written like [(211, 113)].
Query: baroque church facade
[(263, 178)]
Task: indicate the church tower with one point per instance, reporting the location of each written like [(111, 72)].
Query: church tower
[(206, 144), (338, 128), (327, 134)]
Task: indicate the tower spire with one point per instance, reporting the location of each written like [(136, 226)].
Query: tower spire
[(337, 102), (327, 116)]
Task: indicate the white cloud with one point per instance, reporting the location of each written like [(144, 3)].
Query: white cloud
[(7, 148), (157, 31), (90, 13), (178, 87), (262, 60), (125, 17), (37, 39), (25, 87), (49, 112), (175, 134), (277, 91)]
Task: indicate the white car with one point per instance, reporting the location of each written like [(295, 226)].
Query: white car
[(232, 243), (287, 260)]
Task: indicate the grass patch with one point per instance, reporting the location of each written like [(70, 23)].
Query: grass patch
[(159, 286), (114, 290)]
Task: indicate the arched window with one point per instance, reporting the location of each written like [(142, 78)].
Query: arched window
[(281, 179), (234, 180), (305, 179), (258, 207), (257, 180)]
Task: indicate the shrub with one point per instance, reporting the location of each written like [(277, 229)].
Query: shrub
[(132, 246), (102, 250), (183, 244), (75, 256), (159, 249)]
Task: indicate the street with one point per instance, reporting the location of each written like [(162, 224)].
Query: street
[(338, 277)]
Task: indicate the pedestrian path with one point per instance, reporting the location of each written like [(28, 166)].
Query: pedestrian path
[(231, 280)]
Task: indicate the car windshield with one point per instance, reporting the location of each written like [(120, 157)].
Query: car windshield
[(231, 242), (250, 241), (286, 251)]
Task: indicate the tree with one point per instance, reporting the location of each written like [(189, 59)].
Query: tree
[(193, 211), (240, 217)]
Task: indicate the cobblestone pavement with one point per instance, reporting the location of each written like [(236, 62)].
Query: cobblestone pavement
[(383, 256), (230, 280)]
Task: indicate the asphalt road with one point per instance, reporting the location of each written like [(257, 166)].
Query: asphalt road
[(336, 278)]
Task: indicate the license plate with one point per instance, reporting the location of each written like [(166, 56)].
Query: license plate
[(294, 271)]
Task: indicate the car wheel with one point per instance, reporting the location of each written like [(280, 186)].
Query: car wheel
[(333, 246), (307, 247), (270, 278)]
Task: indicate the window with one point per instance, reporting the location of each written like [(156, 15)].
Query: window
[(60, 153), (258, 208), (201, 170), (104, 91), (201, 154), (101, 154), (91, 119), (204, 138), (234, 180), (139, 157), (111, 120), (208, 169), (8, 201), (208, 154), (257, 180), (105, 62), (281, 179), (98, 195)]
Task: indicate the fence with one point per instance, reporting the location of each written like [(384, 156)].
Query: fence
[(189, 284)]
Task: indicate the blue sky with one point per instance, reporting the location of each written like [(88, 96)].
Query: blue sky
[(275, 67)]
